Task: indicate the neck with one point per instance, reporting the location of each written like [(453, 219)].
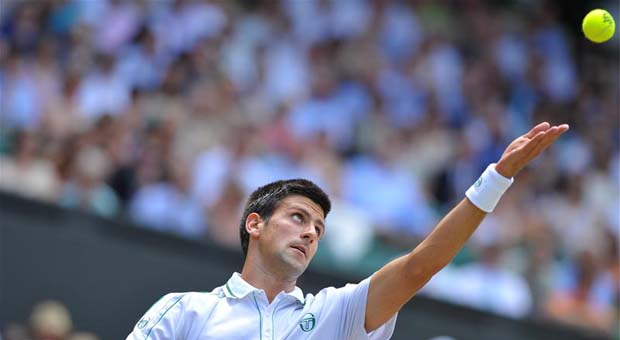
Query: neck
[(258, 275)]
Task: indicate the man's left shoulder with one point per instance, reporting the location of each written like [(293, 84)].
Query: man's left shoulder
[(334, 294)]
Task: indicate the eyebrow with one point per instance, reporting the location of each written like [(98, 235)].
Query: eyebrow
[(307, 214)]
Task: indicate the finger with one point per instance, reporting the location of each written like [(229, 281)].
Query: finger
[(560, 130), (551, 136), (531, 144), (544, 141), (538, 138), (563, 128), (544, 126)]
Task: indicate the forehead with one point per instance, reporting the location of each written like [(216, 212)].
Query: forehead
[(298, 201)]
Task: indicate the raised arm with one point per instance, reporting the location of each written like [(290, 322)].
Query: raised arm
[(394, 284)]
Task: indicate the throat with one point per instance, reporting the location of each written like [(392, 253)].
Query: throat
[(268, 281)]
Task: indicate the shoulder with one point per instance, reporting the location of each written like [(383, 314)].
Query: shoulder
[(333, 295), (174, 311), (200, 301), (195, 303), (161, 319), (349, 288)]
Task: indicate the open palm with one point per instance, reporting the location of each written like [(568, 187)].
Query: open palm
[(526, 147)]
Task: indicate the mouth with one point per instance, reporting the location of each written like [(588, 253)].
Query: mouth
[(300, 248)]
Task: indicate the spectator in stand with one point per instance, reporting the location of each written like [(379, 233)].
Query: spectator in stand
[(49, 320), (86, 189), (168, 205), (577, 304), (27, 173)]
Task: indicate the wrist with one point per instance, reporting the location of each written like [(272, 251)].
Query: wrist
[(504, 171), (486, 192)]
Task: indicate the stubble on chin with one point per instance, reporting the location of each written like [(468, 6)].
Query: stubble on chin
[(291, 263)]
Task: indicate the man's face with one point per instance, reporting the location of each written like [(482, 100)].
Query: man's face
[(290, 239)]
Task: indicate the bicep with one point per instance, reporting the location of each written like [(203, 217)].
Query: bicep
[(390, 288)]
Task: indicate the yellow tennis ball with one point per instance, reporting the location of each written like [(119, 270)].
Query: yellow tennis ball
[(598, 25)]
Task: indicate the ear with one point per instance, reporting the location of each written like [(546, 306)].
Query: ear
[(254, 225)]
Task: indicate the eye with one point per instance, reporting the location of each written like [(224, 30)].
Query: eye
[(298, 217), (319, 232)]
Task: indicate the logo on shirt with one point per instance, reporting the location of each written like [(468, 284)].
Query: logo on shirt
[(142, 323), (308, 322)]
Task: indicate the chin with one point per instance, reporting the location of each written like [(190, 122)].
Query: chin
[(294, 264)]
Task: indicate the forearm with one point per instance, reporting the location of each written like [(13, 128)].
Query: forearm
[(446, 240), (449, 236)]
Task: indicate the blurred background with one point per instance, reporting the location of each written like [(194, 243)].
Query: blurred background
[(165, 115)]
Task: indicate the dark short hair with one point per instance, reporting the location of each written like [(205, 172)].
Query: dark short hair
[(265, 200)]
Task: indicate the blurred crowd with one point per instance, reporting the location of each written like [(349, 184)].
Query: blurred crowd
[(49, 320), (169, 113)]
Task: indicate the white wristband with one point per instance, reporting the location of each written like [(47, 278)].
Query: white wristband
[(488, 189)]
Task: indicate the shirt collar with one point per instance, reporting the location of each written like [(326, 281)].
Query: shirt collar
[(236, 287)]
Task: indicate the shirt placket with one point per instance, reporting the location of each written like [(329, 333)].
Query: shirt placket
[(266, 315), (268, 324)]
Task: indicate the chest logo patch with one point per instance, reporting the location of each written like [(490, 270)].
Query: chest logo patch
[(307, 323)]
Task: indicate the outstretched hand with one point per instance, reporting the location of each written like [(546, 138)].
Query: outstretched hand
[(525, 148)]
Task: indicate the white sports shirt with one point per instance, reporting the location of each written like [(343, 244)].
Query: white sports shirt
[(237, 310)]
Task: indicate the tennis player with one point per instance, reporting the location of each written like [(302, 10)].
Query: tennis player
[(281, 228)]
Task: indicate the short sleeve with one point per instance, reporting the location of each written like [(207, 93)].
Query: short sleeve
[(162, 321), (354, 297)]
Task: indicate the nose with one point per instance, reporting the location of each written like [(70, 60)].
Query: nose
[(309, 233)]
